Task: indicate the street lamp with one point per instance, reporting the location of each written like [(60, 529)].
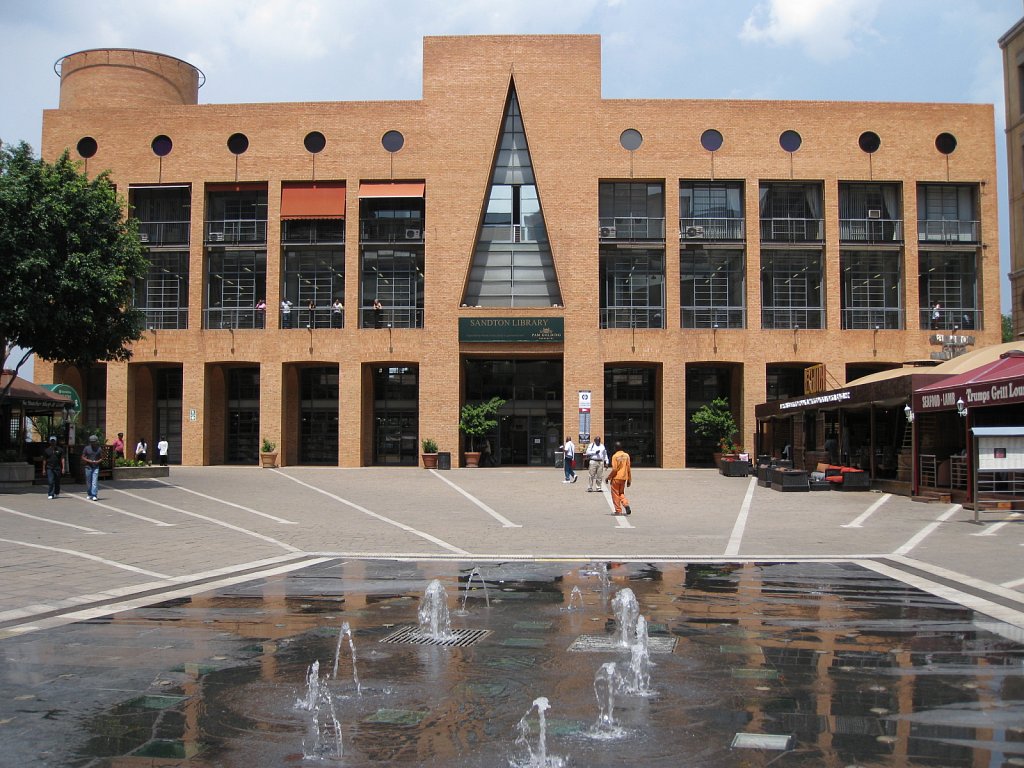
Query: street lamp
[(961, 407), (908, 413)]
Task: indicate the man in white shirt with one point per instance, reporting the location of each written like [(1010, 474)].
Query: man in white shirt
[(597, 453), (162, 449), (569, 460)]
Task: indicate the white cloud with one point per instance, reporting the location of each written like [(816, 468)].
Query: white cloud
[(826, 30)]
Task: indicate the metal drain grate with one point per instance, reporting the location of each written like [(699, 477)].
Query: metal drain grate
[(610, 643), (459, 638)]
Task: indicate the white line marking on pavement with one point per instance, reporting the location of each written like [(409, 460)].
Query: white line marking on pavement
[(229, 503), (215, 521), (120, 511), (51, 522), (921, 535), (87, 556), (857, 523), (1015, 583), (991, 530), (736, 537), (505, 522), (621, 521), (365, 511)]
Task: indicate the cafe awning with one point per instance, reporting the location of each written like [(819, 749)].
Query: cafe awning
[(32, 398), (1000, 382)]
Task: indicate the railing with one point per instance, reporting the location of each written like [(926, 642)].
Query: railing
[(928, 474), (792, 318), (164, 232), (869, 318), (168, 318), (717, 317), (951, 319), (320, 317), (631, 228), (872, 231), (391, 317), (958, 472), (948, 231), (233, 318), (307, 232), (236, 231), (513, 233), (711, 229), (391, 230), (792, 230), (632, 317)]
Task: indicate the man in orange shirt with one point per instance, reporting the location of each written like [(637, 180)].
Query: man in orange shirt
[(620, 478)]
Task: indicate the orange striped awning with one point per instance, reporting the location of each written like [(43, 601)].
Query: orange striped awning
[(313, 200), (392, 189)]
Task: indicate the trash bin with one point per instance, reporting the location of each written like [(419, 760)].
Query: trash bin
[(444, 460), (559, 458)]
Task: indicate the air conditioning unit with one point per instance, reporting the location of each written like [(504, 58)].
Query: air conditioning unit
[(143, 237), (694, 232), (216, 237), (412, 234), (607, 231), (874, 213)]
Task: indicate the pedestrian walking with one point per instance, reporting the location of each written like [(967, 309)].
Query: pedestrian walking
[(597, 456), (619, 478), (92, 456), (53, 458), (569, 460), (141, 450), (162, 447)]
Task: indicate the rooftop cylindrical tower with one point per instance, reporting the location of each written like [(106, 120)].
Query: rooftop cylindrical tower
[(123, 77)]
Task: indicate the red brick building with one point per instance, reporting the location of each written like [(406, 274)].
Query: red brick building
[(525, 238)]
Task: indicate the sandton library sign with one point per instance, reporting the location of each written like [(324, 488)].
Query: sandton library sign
[(517, 329)]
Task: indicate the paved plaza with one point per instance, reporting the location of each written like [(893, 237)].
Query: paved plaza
[(69, 558)]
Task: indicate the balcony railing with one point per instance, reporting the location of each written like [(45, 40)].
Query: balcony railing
[(392, 317), (164, 232), (391, 230), (167, 318), (630, 228), (321, 317), (951, 318), (632, 317), (871, 231), (236, 232), (947, 231), (711, 229), (792, 318), (792, 230), (869, 318), (717, 317), (513, 233), (233, 318), (309, 232)]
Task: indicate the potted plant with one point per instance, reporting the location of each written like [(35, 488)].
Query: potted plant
[(268, 454), (429, 453), (714, 420), (476, 420)]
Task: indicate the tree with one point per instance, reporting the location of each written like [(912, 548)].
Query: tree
[(477, 420), (715, 420), (69, 260), (1007, 328)]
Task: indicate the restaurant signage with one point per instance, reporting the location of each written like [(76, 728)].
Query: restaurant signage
[(998, 393), (511, 329)]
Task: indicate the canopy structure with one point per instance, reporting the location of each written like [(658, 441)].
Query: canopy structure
[(33, 399), (1000, 382)]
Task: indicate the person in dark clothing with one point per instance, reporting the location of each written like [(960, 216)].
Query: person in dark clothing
[(53, 458)]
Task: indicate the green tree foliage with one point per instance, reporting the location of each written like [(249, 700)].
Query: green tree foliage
[(715, 421), (478, 419), (68, 263), (1007, 328)]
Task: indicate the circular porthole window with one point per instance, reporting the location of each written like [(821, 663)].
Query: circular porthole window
[(711, 140), (790, 141), (631, 139), (392, 141), (945, 143), (87, 147), (162, 145), (314, 142), (869, 142), (238, 143)]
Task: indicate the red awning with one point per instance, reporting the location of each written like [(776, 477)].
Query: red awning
[(313, 200), (31, 397), (392, 189), (1000, 382)]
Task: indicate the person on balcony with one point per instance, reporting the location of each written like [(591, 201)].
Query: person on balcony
[(337, 312), (286, 313)]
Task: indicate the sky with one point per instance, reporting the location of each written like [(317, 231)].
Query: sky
[(347, 50)]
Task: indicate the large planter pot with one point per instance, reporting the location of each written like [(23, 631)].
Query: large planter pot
[(140, 473), (471, 458), (268, 460), (14, 474), (429, 460)]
